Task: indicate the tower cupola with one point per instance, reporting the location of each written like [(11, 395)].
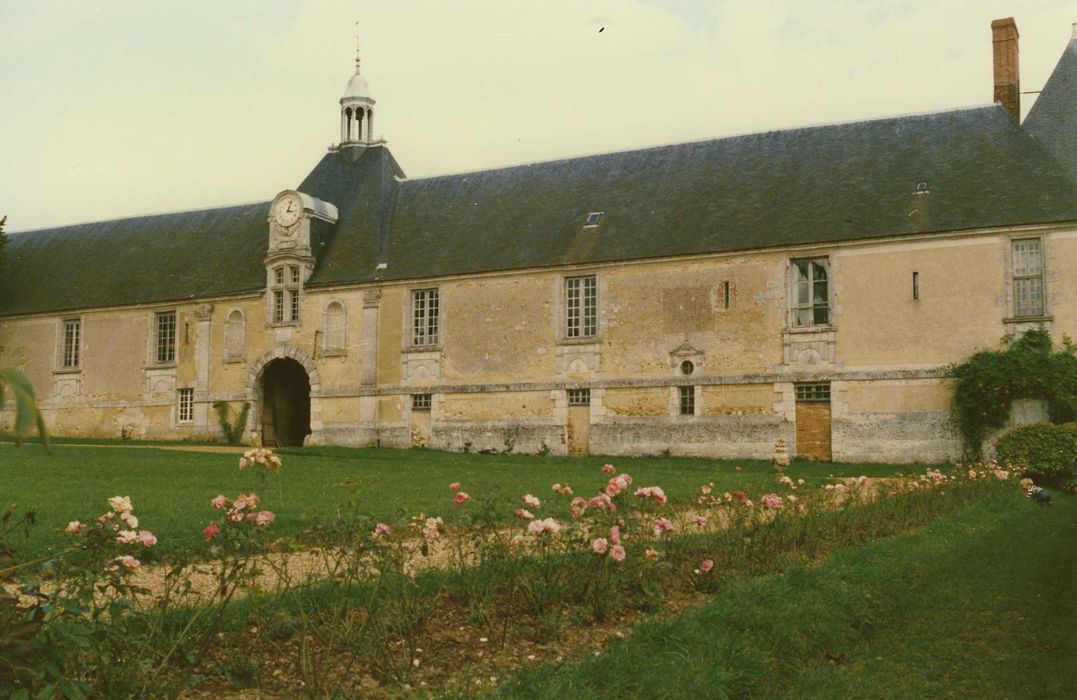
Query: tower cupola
[(357, 109)]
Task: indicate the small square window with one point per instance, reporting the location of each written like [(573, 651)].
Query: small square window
[(813, 392), (185, 413), (420, 402), (579, 397), (921, 187), (593, 218), (688, 400)]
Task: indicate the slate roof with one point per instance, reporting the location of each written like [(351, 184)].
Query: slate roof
[(816, 185), (146, 259), (1053, 117)]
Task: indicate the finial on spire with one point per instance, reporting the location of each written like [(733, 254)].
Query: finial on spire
[(357, 48)]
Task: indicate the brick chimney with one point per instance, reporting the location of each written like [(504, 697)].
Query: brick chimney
[(1007, 77)]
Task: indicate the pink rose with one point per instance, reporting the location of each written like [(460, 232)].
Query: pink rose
[(127, 537), (454, 487), (147, 538), (74, 527), (531, 501), (264, 517), (608, 468), (220, 502), (381, 530), (700, 520), (461, 497), (211, 531), (617, 552), (662, 526), (615, 534), (129, 562), (706, 565), (129, 519), (243, 462), (599, 545), (524, 514)]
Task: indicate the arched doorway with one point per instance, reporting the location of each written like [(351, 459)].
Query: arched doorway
[(285, 393)]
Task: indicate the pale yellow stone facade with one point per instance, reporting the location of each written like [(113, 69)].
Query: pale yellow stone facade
[(500, 375)]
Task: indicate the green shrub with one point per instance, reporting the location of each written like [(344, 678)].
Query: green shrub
[(233, 430), (1044, 450), (1028, 368)]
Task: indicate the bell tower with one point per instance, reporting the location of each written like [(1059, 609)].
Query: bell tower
[(357, 109)]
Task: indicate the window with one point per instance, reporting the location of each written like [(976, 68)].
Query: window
[(1027, 277), (811, 301), (425, 307), (420, 402), (165, 337), (687, 367), (727, 296), (581, 307), (813, 392), (235, 336), (688, 400), (286, 283), (593, 218), (333, 343), (579, 397), (916, 286), (72, 340), (185, 408)]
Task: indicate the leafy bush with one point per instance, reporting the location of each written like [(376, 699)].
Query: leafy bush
[(988, 382), (233, 431), (1044, 450)]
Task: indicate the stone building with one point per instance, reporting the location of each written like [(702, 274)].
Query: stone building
[(703, 298)]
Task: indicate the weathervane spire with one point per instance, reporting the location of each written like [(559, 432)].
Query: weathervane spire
[(357, 48)]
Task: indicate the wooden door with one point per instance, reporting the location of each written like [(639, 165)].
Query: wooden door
[(579, 429), (813, 422)]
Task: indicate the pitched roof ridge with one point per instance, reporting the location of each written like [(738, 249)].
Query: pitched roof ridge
[(712, 139), (150, 215)]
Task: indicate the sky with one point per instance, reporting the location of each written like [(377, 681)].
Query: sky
[(126, 107)]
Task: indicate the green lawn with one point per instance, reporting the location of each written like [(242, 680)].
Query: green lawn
[(171, 490), (980, 604)]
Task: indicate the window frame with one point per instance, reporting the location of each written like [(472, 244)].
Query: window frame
[(578, 397), (811, 306), (579, 295), (686, 400), (1018, 275), (75, 348), (422, 402), (164, 352), (185, 405), (285, 290), (425, 318)]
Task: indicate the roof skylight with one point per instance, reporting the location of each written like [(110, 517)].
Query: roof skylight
[(593, 218)]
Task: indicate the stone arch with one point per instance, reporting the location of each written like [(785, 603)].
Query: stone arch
[(254, 374), (254, 378)]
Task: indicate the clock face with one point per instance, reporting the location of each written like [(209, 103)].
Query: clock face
[(288, 210)]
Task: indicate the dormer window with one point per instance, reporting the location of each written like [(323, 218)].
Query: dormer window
[(921, 187), (593, 219)]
